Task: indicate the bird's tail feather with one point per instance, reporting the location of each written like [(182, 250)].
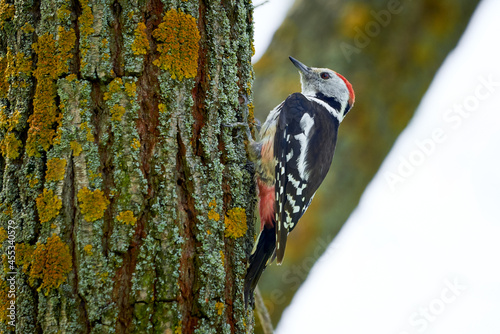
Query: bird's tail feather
[(265, 248)]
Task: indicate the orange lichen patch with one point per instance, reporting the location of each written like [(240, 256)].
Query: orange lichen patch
[(24, 256), (140, 46), (88, 249), (55, 169), (17, 64), (117, 112), (178, 38), (8, 210), (27, 28), (48, 205), (162, 108), (71, 77), (52, 62), (3, 235), (7, 12), (222, 257), (76, 147), (5, 302), (92, 204), (85, 126), (219, 307), (4, 84), (130, 89), (9, 123), (126, 217), (10, 146), (114, 87), (63, 13), (86, 20), (93, 176), (212, 214), (136, 144), (236, 223), (51, 263), (32, 180)]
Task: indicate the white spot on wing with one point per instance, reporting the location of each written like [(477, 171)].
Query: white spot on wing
[(306, 123), (296, 184)]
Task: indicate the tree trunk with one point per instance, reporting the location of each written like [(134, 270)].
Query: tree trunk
[(124, 194)]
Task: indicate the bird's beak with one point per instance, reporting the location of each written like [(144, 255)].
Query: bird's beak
[(303, 68)]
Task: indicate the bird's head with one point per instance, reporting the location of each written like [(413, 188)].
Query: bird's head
[(323, 82)]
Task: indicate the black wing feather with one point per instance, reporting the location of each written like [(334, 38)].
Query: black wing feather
[(293, 192)]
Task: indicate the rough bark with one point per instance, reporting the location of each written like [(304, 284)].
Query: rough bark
[(130, 196)]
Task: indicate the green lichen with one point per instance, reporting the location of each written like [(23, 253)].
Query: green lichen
[(178, 43)]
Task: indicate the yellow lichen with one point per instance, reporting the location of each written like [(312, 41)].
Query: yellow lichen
[(53, 56), (178, 44), (219, 307), (212, 214), (48, 205), (114, 87), (140, 46), (17, 64), (162, 108), (88, 135), (235, 223), (32, 180), (51, 263), (117, 112), (5, 303), (76, 147), (24, 256), (86, 20), (222, 257), (92, 204), (88, 249), (3, 235), (27, 28), (130, 88), (55, 169), (71, 77), (10, 146), (63, 13), (126, 217), (136, 144), (4, 84), (7, 12), (93, 176)]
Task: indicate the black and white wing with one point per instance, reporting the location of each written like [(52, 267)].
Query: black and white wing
[(304, 145)]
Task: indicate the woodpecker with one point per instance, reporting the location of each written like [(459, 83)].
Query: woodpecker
[(292, 158)]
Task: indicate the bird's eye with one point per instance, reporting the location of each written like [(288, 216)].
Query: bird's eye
[(325, 75)]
